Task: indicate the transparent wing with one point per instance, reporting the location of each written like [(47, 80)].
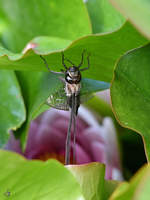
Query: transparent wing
[(58, 99), (90, 86)]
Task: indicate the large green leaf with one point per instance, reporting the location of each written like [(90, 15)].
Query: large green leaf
[(12, 109), (24, 21), (105, 49), (21, 179), (137, 11), (91, 178), (92, 182), (130, 92), (136, 189), (104, 17), (35, 94)]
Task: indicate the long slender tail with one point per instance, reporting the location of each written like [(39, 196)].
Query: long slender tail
[(74, 102), (68, 139), (76, 106)]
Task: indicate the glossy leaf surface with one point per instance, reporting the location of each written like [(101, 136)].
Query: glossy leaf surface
[(12, 108), (130, 92)]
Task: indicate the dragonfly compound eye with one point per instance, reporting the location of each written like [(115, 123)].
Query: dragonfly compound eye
[(73, 77)]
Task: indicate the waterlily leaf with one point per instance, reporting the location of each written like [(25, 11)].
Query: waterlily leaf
[(47, 44), (23, 179), (137, 11), (104, 16), (35, 94), (91, 178), (92, 182), (136, 189), (104, 50), (12, 108), (23, 21), (130, 92)]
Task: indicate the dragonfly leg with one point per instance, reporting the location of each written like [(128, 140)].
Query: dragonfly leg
[(46, 64), (62, 79), (82, 56), (63, 61), (88, 64), (70, 61)]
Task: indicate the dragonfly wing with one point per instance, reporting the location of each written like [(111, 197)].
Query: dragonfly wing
[(85, 93), (89, 86), (58, 99)]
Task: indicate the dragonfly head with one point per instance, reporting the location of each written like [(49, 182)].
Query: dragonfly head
[(73, 75)]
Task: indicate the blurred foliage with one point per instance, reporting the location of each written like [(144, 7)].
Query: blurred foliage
[(137, 11)]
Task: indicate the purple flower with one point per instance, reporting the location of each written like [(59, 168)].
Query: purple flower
[(94, 142)]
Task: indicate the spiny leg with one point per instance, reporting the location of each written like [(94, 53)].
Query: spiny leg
[(88, 64), (70, 61), (46, 64), (82, 56), (63, 61)]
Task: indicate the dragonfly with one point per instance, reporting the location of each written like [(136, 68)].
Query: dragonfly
[(68, 97)]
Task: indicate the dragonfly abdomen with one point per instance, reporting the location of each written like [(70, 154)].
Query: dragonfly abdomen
[(74, 102)]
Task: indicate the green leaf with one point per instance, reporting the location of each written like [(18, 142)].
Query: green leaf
[(104, 16), (35, 94), (91, 178), (130, 92), (137, 188), (12, 108), (46, 44), (137, 11), (92, 182), (22, 179), (23, 21), (104, 49)]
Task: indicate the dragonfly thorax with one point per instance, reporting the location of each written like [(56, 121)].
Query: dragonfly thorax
[(73, 75), (71, 89)]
